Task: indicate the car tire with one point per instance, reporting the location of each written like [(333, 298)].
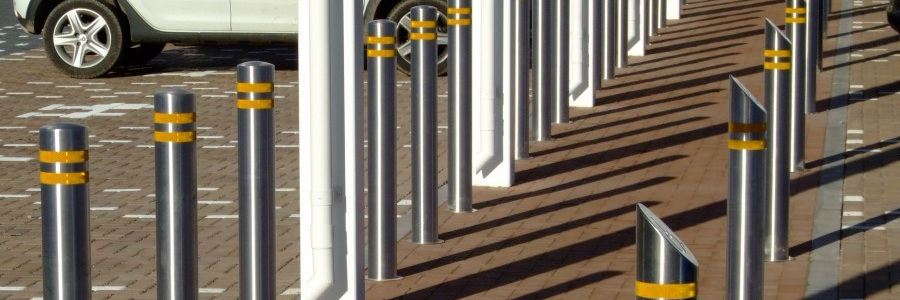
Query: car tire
[(400, 15), (141, 53), (84, 39)]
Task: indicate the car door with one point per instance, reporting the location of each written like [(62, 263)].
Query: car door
[(268, 16), (185, 15)]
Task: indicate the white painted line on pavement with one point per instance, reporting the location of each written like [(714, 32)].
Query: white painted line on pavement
[(120, 190), (116, 141), (12, 288), (294, 216), (210, 136), (135, 127), (20, 145), (48, 97), (218, 147), (207, 189), (291, 291), (108, 288), (145, 146), (853, 214), (14, 196), (854, 131), (215, 202), (853, 198), (13, 127), (285, 190), (104, 208), (405, 202), (857, 86), (862, 227), (140, 216), (866, 150), (287, 146), (854, 142), (211, 290), (221, 217), (15, 159)]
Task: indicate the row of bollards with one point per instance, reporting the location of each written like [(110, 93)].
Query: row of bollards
[(65, 204)]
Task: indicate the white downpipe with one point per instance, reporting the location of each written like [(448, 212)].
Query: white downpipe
[(321, 186), (489, 92)]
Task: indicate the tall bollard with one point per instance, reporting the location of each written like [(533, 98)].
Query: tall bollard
[(424, 124), (666, 268), (795, 18), (652, 18), (459, 184), (608, 36), (661, 19), (382, 62), (541, 61), (813, 51), (256, 176), (521, 22), (65, 211), (559, 69), (621, 33), (777, 74), (176, 194), (746, 195)]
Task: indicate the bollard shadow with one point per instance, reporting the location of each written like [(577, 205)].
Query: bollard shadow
[(683, 21), (859, 96), (685, 84), (578, 252), (852, 32), (673, 75), (711, 49), (645, 117), (562, 288), (700, 12), (849, 154), (621, 134), (668, 30), (856, 11), (865, 45), (197, 60), (680, 64), (644, 104), (592, 159), (661, 38), (835, 236), (703, 42), (863, 284), (886, 54)]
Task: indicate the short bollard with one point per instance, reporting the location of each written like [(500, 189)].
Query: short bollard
[(521, 23), (777, 72), (459, 74), (559, 69), (746, 195), (621, 33), (541, 61), (175, 134), (424, 124), (666, 268), (382, 62), (813, 51), (65, 211), (256, 175), (795, 19), (607, 32)]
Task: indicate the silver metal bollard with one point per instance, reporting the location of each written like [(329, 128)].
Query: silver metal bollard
[(541, 63), (661, 13), (666, 268), (795, 20), (256, 175), (621, 33), (652, 18), (175, 135), (522, 20), (813, 52), (746, 195), (423, 34), (608, 39), (777, 74), (559, 56), (65, 211), (382, 62), (459, 184)]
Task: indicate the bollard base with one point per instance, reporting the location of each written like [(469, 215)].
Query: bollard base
[(461, 211), (800, 168), (384, 279), (438, 241), (779, 259)]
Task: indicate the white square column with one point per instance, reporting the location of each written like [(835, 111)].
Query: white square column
[(638, 31), (584, 52)]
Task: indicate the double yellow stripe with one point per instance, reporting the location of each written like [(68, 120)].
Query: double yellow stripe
[(745, 145), (264, 87), (65, 157), (459, 10), (64, 178), (665, 290), (777, 66), (747, 127), (382, 40), (423, 24), (777, 53), (255, 104), (423, 36), (175, 137), (179, 118), (795, 15)]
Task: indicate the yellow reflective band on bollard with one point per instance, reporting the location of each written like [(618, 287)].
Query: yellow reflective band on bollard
[(423, 36), (381, 53), (777, 66), (459, 10), (423, 24), (384, 40), (64, 178), (795, 20), (255, 104), (795, 10), (665, 291), (747, 127), (777, 53), (65, 157), (462, 22), (264, 87), (179, 118), (746, 145), (174, 137)]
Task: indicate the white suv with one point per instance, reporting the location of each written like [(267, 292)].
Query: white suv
[(88, 38)]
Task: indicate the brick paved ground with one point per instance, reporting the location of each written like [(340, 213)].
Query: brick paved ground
[(565, 230)]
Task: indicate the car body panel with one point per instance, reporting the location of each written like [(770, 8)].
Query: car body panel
[(280, 15), (184, 15)]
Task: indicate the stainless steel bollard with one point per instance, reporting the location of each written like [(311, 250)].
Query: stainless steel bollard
[(813, 52), (522, 20), (541, 64), (608, 39), (423, 34), (559, 65), (175, 135), (795, 20), (652, 18), (746, 195), (621, 33), (382, 62), (459, 184), (777, 74), (65, 211), (661, 13), (666, 268), (256, 175)]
